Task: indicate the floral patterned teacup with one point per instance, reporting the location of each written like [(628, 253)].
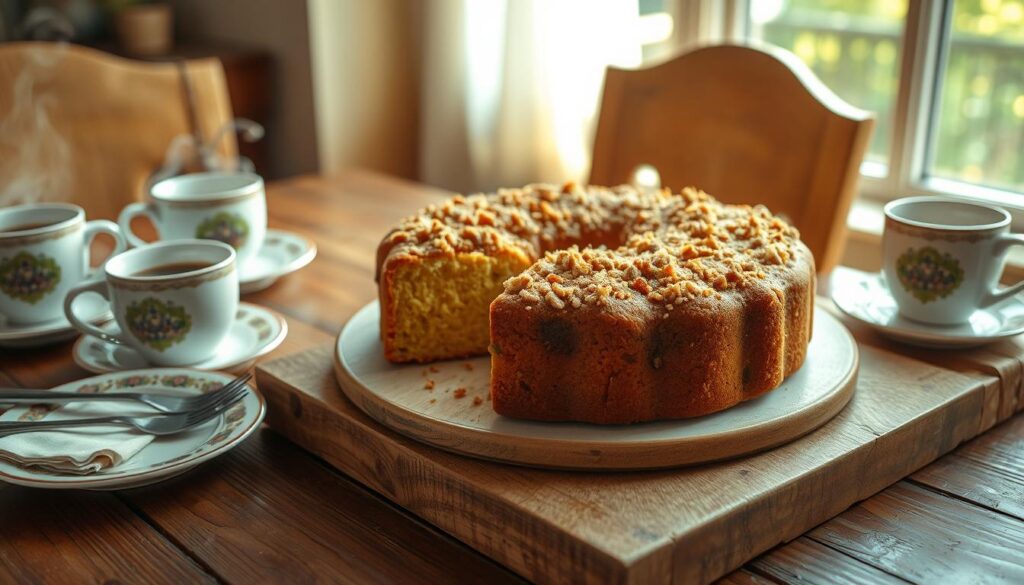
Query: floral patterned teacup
[(174, 302), (943, 258), (44, 251), (228, 207)]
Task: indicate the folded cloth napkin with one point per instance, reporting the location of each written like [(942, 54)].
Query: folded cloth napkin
[(79, 450)]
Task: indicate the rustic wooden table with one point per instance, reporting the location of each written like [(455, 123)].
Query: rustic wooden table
[(270, 512)]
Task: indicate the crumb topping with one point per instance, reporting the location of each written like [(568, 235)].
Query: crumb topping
[(706, 248), (531, 219), (665, 249)]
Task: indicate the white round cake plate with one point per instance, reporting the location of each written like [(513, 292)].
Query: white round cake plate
[(398, 397), (256, 332), (91, 306), (866, 298), (281, 254), (167, 456)]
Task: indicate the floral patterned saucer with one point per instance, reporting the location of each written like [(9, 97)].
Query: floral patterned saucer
[(165, 457), (95, 308), (866, 298), (282, 253), (256, 331)]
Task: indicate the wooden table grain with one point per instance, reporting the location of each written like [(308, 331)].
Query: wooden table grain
[(268, 512)]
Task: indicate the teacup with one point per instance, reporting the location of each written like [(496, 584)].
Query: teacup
[(44, 251), (174, 301), (228, 207), (943, 258)]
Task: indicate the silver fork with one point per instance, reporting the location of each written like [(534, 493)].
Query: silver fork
[(161, 402), (154, 424)]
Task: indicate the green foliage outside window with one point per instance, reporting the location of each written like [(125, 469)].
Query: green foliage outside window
[(981, 118), (854, 47)]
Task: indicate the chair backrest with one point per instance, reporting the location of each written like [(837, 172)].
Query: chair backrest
[(84, 126), (747, 125)]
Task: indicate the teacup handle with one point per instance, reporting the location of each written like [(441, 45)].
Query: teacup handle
[(994, 296), (130, 212), (94, 228), (98, 286)]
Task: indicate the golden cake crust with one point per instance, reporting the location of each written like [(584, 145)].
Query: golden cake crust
[(514, 224), (633, 306)]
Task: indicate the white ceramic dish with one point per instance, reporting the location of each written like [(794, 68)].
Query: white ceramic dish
[(175, 316), (255, 332), (228, 206), (866, 298), (91, 307), (167, 456), (281, 254)]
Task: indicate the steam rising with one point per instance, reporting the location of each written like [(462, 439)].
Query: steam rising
[(35, 161)]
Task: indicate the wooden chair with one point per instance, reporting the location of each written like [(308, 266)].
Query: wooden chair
[(747, 125), (84, 126)]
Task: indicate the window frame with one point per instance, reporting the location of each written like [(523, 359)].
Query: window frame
[(924, 49)]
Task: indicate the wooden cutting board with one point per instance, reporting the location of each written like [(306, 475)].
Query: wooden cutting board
[(676, 526)]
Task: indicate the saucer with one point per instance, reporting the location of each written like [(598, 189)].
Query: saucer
[(255, 332), (282, 253), (866, 298), (59, 329), (166, 456)]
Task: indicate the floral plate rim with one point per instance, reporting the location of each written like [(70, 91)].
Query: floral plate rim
[(306, 254), (78, 351), (908, 331), (51, 327), (254, 409)]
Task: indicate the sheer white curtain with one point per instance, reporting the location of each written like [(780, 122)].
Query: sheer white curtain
[(511, 87)]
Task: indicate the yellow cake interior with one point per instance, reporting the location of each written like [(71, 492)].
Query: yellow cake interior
[(441, 305)]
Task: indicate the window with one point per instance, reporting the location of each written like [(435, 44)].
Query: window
[(852, 45), (656, 29), (944, 77), (978, 135)]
